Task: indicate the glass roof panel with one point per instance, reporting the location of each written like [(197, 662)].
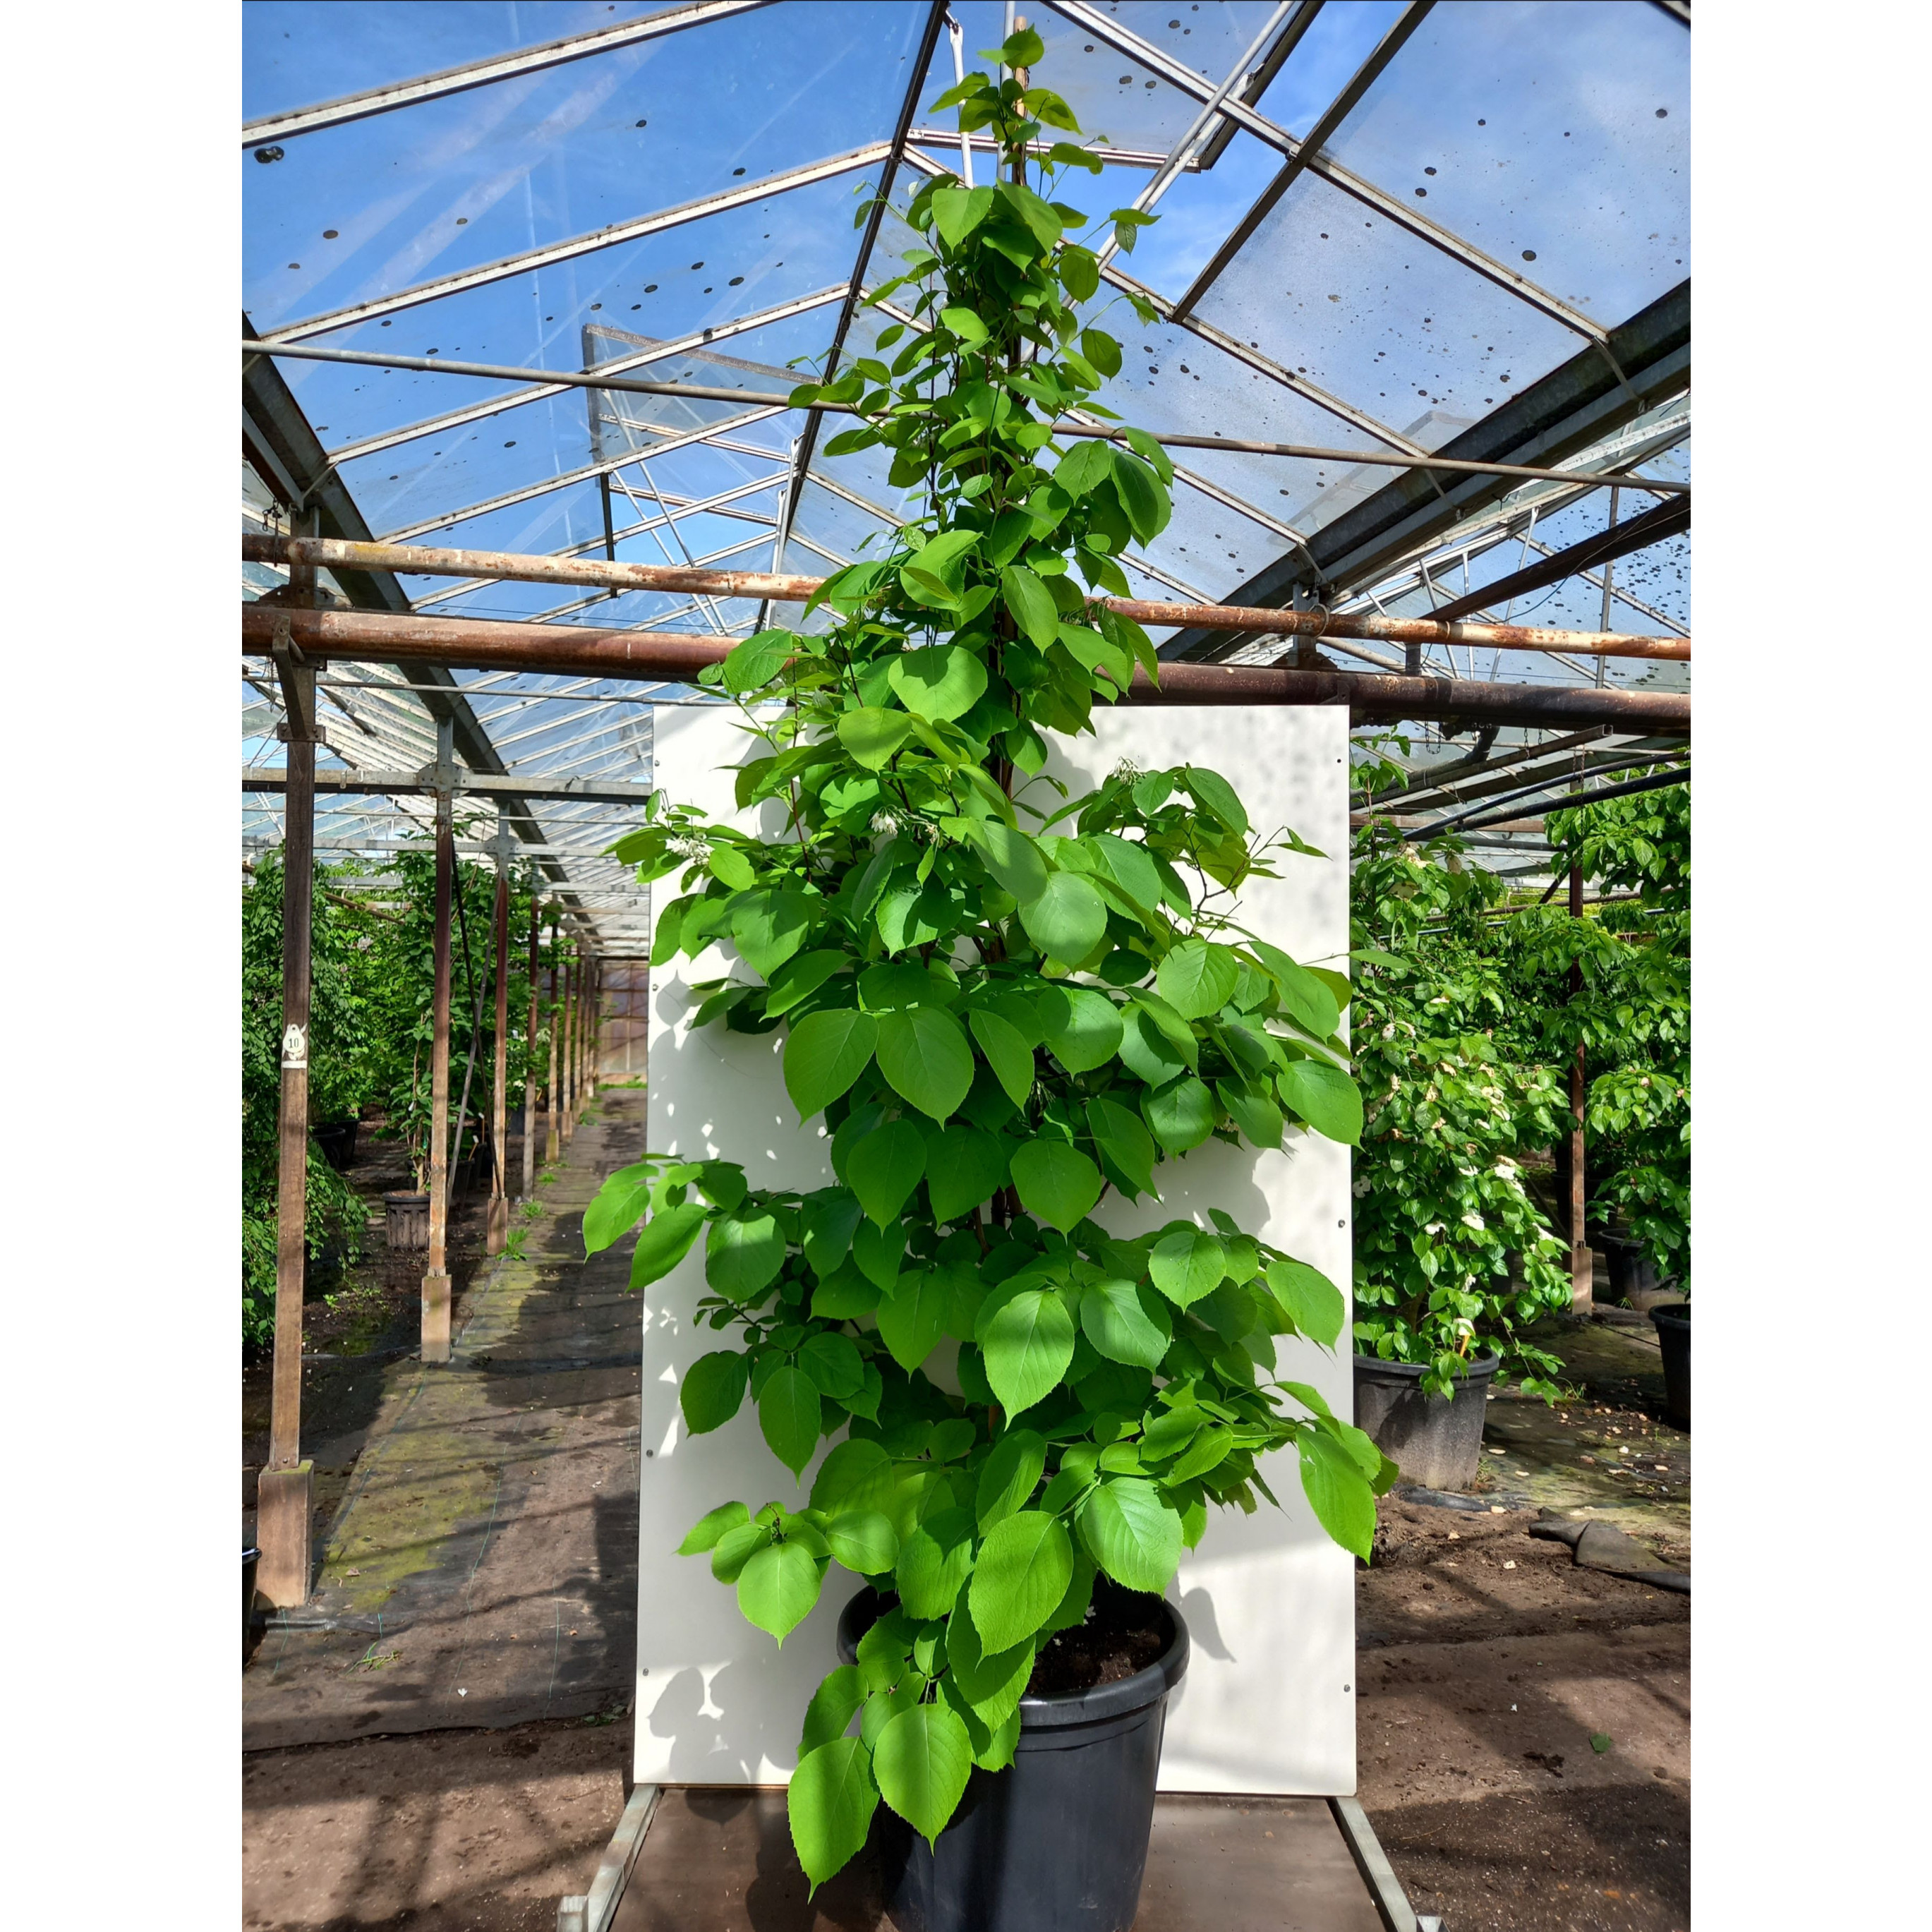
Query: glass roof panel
[(1556, 138), (1380, 317), (294, 55), (408, 197)]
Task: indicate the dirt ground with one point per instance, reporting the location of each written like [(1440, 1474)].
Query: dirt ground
[(1523, 1723)]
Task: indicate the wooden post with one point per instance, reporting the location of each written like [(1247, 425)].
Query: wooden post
[(284, 1490), (530, 1064), (499, 1225), (1582, 1267), (566, 1062), (435, 1281), (593, 1027), (553, 1131)]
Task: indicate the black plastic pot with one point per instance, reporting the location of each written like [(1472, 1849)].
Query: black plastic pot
[(1673, 1337), (251, 1556), (1057, 1843), (1632, 1270), (1436, 1441), (406, 1219), (336, 1139)]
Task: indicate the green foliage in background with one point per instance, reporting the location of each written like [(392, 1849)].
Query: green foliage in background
[(1004, 1003)]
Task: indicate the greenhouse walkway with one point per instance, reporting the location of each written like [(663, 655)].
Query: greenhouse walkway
[(481, 1568)]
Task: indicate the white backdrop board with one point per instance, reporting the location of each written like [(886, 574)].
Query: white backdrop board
[(1268, 1704)]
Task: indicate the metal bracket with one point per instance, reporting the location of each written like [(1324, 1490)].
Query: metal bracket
[(296, 674)]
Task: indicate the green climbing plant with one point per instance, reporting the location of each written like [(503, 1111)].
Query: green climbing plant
[(1004, 1003)]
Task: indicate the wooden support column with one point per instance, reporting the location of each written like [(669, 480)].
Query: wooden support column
[(566, 1061), (593, 1028), (1582, 1266), (285, 1489), (435, 1280), (530, 1064), (553, 1131), (498, 1224)]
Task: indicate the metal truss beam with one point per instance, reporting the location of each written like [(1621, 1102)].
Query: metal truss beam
[(505, 786), (683, 345), (271, 128), (613, 236)]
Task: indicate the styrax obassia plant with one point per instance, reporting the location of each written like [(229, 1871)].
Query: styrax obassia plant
[(999, 1021)]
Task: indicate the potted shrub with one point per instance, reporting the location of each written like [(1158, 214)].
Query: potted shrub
[(1452, 1256), (1003, 1004)]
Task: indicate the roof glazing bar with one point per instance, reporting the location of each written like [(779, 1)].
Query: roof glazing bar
[(611, 237), (481, 73)]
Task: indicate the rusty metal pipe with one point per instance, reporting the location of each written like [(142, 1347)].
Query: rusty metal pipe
[(654, 656), (331, 554)]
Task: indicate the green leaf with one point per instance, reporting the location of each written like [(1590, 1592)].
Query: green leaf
[(1197, 978), (964, 1166), (829, 1803), (965, 323), (834, 1705), (872, 735), (1056, 1182), (1309, 1299), (752, 664), (831, 1216), (912, 1318), (768, 927), (1028, 1345), (801, 975), (1140, 440), (1141, 496), (1126, 1323), (704, 1533), (1325, 1097), (877, 1248), (1068, 919), (1337, 1491), (620, 1201), (944, 681), (1253, 1110), (832, 1362), (1216, 797), (1010, 1475), (923, 1052), (1022, 1572), (865, 1541), (1023, 48), (992, 1683), (792, 1415), (1006, 1051), (736, 1547), (713, 1389), (1145, 1049), (884, 1167), (957, 212), (825, 1053), (1120, 1136), (922, 1761), (1031, 604), (777, 1587), (856, 1474), (665, 1241), (1132, 868), (1083, 1027), (1134, 1536), (934, 1562), (1181, 1114), (743, 1253), (1100, 348), (1011, 857), (1187, 1264)]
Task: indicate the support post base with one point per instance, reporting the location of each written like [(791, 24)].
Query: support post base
[(497, 1225), (284, 1519), (436, 1315)]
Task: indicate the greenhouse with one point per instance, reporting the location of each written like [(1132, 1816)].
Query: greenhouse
[(966, 1078)]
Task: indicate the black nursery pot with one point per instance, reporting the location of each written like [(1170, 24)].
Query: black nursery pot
[(1673, 1337), (1056, 1843), (1436, 1443), (1632, 1270)]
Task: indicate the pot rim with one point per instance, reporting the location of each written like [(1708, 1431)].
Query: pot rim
[(1673, 1311), (1102, 1701), (404, 1194), (1481, 1369)]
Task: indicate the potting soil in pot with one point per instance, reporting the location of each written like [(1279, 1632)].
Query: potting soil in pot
[(1125, 1634)]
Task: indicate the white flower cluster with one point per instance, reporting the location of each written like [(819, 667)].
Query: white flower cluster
[(690, 846), (885, 823), (1127, 772)]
